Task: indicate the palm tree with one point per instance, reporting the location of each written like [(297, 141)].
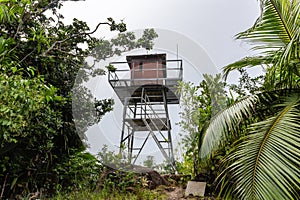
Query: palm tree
[(276, 34), (264, 162)]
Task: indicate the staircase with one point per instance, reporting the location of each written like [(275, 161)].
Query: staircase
[(147, 113)]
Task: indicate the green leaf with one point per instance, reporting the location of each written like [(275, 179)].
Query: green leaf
[(6, 122), (13, 183), (227, 120), (266, 164)]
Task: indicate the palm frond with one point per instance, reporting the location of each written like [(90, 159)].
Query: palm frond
[(217, 131), (293, 20), (266, 164), (248, 62), (274, 28), (275, 33)]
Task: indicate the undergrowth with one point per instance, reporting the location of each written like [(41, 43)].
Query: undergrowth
[(141, 194)]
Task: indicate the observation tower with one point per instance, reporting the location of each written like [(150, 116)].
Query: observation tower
[(146, 85)]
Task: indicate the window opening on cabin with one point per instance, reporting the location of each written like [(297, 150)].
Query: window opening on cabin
[(141, 66)]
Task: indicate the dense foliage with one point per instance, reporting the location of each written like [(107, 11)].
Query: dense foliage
[(198, 105), (40, 56), (251, 148), (263, 161)]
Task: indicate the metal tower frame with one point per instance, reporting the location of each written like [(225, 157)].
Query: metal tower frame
[(142, 114), (145, 109)]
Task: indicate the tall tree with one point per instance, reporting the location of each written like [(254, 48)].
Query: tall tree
[(39, 61), (198, 105), (264, 160), (276, 35)]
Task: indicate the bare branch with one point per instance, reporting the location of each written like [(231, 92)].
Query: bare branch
[(72, 36)]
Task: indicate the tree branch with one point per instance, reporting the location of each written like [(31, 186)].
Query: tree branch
[(72, 36)]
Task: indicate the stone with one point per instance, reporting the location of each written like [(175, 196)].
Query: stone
[(195, 188)]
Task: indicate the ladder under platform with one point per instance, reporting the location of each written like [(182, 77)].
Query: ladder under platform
[(147, 115)]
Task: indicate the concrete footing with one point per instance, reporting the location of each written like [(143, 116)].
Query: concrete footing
[(195, 188)]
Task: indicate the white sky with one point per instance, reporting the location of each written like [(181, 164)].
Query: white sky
[(211, 24)]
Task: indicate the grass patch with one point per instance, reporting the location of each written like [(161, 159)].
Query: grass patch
[(141, 194)]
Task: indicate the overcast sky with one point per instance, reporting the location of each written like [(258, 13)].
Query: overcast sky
[(211, 24)]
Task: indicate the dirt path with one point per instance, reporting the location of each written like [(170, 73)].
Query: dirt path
[(176, 194)]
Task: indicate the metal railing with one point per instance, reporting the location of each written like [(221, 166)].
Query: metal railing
[(167, 74)]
